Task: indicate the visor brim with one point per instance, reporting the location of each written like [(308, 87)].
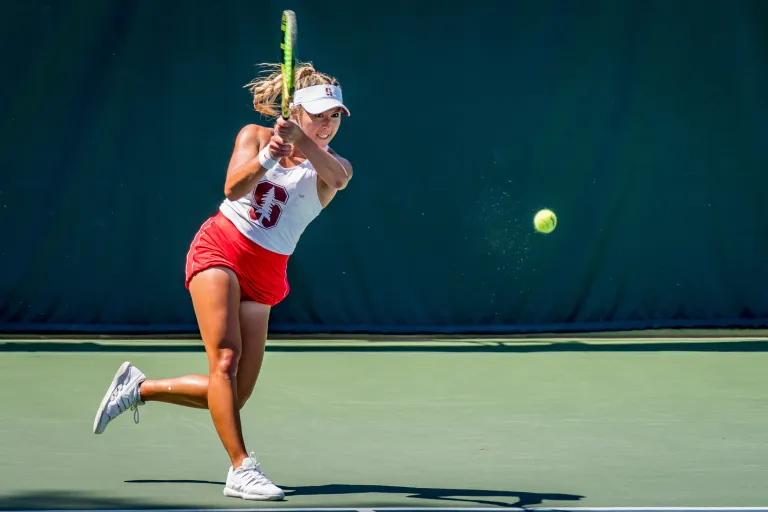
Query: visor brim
[(324, 105)]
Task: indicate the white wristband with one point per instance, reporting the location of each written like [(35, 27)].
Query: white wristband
[(265, 159)]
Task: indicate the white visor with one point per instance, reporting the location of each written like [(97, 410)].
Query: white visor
[(319, 98)]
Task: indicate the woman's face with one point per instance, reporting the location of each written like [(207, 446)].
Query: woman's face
[(321, 128)]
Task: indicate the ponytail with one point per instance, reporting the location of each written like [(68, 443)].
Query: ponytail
[(267, 89)]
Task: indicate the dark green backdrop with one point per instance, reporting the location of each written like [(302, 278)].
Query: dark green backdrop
[(641, 123)]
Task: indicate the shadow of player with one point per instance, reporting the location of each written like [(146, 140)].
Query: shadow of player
[(479, 496), (522, 499)]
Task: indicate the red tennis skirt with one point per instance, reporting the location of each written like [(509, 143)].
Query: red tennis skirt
[(262, 273)]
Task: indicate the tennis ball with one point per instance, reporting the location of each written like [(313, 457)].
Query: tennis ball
[(545, 221)]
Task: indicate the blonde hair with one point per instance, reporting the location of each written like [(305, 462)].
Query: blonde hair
[(267, 89)]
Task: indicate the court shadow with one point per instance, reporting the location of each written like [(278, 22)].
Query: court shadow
[(521, 346), (477, 496), (494, 498), (533, 346), (70, 500)]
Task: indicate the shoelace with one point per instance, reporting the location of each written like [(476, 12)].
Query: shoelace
[(254, 474), (123, 404)]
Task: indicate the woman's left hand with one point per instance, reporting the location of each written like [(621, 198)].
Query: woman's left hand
[(288, 130)]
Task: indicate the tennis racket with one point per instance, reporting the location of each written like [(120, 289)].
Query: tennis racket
[(288, 60)]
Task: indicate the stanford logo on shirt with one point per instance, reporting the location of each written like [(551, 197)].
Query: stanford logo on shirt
[(268, 199)]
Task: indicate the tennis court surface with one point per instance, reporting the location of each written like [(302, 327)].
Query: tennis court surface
[(554, 424)]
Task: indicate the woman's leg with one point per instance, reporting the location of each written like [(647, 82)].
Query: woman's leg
[(234, 336), (233, 370), (216, 300), (254, 321), (218, 311), (192, 390)]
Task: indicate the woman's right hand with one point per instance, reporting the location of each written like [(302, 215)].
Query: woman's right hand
[(278, 148)]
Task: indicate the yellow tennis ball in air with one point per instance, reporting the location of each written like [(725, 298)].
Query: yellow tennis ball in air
[(545, 221)]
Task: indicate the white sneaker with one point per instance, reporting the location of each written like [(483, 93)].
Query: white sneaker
[(122, 394), (250, 483)]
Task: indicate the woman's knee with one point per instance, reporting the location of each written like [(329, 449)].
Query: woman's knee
[(224, 361), (216, 298)]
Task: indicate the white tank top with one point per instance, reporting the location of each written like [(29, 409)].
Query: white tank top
[(276, 212)]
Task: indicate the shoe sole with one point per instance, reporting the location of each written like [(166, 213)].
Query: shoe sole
[(97, 420), (254, 497)]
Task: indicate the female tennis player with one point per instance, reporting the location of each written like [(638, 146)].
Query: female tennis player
[(279, 179)]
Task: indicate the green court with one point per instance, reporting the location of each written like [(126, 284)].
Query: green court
[(408, 423)]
